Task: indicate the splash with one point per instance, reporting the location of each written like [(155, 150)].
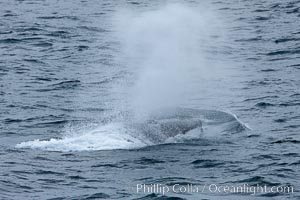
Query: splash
[(106, 137)]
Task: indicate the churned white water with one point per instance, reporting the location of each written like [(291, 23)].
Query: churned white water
[(106, 137)]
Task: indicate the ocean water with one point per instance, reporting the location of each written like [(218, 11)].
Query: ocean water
[(74, 75)]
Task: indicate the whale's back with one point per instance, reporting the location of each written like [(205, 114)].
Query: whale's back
[(171, 122)]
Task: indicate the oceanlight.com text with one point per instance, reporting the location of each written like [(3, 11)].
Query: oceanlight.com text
[(213, 188)]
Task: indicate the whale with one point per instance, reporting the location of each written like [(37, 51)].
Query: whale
[(171, 122), (170, 125)]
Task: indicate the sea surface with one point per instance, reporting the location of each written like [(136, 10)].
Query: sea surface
[(65, 80)]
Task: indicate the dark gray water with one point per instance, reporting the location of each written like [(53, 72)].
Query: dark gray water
[(59, 67)]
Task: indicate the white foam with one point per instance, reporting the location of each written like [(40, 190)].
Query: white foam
[(107, 137)]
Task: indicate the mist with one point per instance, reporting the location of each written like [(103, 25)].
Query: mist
[(165, 49)]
